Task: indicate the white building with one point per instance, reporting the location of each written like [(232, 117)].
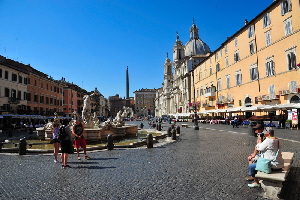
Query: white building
[(175, 95)]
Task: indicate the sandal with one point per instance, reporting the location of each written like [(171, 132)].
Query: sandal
[(254, 185), (79, 158), (86, 157)]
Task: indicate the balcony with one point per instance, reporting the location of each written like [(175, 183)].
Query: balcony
[(210, 92), (284, 92), (265, 98), (207, 105), (13, 100), (276, 97)]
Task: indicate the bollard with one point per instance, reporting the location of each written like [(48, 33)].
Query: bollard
[(149, 140), (173, 134), (178, 129), (141, 125), (22, 146), (169, 131), (110, 143), (159, 127)]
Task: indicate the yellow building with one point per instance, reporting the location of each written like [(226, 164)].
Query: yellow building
[(256, 70)]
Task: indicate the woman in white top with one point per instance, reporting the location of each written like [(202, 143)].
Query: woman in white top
[(268, 149)]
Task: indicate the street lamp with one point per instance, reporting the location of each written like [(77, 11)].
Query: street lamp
[(196, 127)]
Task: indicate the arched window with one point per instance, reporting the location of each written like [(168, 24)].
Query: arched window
[(295, 99), (248, 102)]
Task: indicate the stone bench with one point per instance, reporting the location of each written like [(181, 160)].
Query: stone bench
[(184, 125), (272, 183)]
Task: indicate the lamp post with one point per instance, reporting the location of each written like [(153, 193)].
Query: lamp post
[(196, 127)]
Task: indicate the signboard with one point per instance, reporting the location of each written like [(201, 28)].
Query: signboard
[(294, 117)]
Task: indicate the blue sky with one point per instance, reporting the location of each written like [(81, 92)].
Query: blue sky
[(91, 42)]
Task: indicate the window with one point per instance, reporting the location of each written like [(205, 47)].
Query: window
[(253, 72), (218, 67), (35, 98), (291, 60), (251, 31), (285, 7), (13, 93), (217, 56), (6, 75), (272, 91), (219, 84), (201, 91), (251, 46), (226, 61), (19, 95), (293, 86), (210, 70), (295, 99), (238, 76), (236, 56), (288, 26), (235, 42), (41, 99), (24, 95), (7, 91), (266, 20), (225, 49), (35, 82), (228, 80), (0, 73), (270, 68), (14, 77), (268, 38), (20, 79)]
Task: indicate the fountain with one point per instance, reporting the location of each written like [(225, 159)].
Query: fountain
[(93, 130)]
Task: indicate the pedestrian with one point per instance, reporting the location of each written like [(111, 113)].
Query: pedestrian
[(235, 122), (56, 142), (65, 144), (227, 120), (79, 141)]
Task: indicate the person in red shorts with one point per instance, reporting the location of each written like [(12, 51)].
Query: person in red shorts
[(79, 141)]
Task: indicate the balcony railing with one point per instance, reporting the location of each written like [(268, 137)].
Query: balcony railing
[(13, 100), (210, 92)]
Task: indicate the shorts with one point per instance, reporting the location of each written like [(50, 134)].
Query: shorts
[(65, 146), (79, 143), (56, 141)]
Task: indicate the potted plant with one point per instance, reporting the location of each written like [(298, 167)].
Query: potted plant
[(288, 123)]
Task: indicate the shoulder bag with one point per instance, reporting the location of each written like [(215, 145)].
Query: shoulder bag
[(264, 165)]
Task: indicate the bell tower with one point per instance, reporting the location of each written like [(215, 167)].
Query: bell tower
[(178, 50)]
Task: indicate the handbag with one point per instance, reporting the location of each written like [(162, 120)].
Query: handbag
[(264, 165)]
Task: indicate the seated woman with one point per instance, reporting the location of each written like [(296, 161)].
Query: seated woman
[(268, 149), (252, 158)]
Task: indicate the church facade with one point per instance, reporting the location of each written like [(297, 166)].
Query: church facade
[(175, 95)]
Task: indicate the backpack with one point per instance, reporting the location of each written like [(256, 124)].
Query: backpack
[(62, 133)]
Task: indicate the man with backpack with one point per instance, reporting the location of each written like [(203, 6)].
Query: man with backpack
[(79, 140), (65, 143)]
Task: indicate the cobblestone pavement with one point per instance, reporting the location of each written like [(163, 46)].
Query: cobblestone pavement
[(205, 164)]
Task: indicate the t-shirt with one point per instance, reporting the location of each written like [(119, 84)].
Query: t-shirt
[(78, 130)]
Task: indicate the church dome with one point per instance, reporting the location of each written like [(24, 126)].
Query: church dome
[(195, 46)]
